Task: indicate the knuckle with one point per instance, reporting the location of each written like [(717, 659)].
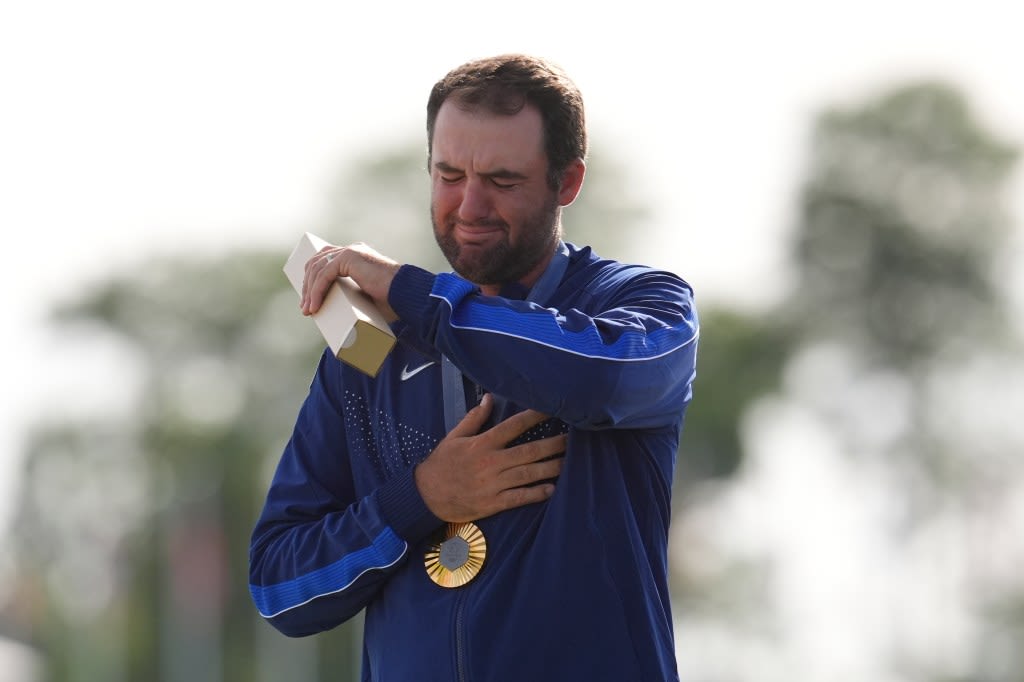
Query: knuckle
[(523, 475), (515, 497)]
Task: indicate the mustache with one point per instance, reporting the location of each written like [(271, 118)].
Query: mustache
[(484, 222)]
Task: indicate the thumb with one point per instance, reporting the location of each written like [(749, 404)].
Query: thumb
[(474, 419)]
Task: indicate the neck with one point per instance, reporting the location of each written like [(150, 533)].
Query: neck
[(527, 280)]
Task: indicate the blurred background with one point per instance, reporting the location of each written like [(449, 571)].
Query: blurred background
[(838, 181)]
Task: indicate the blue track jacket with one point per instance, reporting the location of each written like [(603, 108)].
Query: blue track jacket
[(574, 588)]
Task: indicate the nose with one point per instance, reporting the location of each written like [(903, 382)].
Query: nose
[(475, 205)]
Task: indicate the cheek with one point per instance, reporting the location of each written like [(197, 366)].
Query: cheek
[(443, 200), (517, 208)]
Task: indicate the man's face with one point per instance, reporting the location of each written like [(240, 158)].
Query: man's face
[(495, 217)]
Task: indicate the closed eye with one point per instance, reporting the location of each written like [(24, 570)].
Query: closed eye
[(505, 179)]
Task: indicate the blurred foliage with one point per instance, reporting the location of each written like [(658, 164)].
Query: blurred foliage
[(739, 360), (897, 255), (384, 200), (901, 225), (137, 529), (889, 342), (899, 272)]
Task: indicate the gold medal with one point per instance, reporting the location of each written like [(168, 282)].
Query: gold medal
[(457, 555)]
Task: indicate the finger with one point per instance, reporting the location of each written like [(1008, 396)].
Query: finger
[(514, 426), (314, 265), (321, 270), (517, 497), (315, 292), (535, 450), (474, 420), (529, 474)]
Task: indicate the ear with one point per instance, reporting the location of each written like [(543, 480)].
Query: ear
[(572, 181)]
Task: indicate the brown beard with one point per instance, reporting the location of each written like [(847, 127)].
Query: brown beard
[(505, 262)]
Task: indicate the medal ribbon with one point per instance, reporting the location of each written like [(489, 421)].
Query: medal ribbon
[(457, 554)]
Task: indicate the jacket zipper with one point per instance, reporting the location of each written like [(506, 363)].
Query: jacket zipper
[(460, 644)]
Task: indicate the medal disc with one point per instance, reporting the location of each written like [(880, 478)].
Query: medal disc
[(457, 555)]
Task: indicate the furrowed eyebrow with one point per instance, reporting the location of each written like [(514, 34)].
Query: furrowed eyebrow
[(446, 168), (504, 174), (500, 173)]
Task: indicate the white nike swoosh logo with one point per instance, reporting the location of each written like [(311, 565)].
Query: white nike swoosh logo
[(410, 373)]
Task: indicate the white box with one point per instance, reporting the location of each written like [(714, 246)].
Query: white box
[(348, 318)]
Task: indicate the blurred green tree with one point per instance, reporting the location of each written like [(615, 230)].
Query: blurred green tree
[(740, 359), (901, 305), (137, 527), (901, 226), (899, 339), (899, 261)]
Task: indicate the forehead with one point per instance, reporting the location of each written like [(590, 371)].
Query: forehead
[(477, 139)]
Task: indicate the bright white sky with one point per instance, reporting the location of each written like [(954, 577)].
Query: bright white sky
[(135, 127)]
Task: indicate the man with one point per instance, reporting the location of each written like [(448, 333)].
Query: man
[(498, 497)]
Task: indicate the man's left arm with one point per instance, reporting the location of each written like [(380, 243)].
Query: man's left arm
[(629, 364)]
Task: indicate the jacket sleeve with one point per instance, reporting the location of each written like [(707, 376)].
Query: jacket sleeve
[(627, 361), (318, 554)]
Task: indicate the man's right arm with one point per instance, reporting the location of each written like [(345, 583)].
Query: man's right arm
[(319, 553)]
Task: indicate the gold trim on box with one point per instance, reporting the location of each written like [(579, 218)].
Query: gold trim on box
[(457, 555)]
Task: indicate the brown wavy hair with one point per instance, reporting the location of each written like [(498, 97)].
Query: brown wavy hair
[(503, 85)]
